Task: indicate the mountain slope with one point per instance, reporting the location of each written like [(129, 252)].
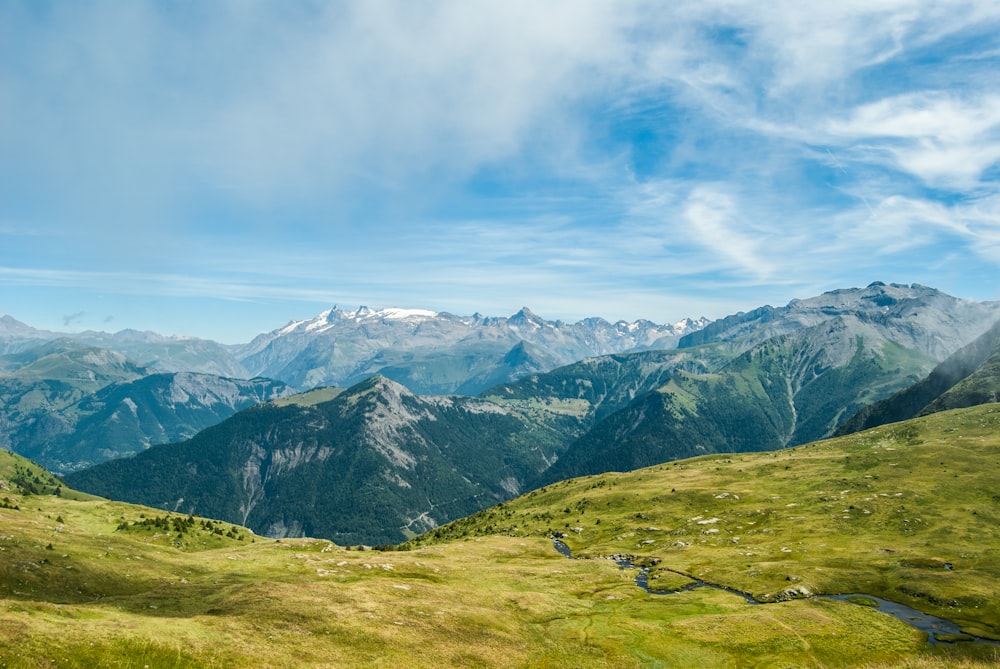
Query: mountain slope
[(757, 390), (597, 387), (906, 512), (124, 418), (48, 379), (67, 405), (980, 387), (789, 390), (968, 377), (91, 583), (372, 465)]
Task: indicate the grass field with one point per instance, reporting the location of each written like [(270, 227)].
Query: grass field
[(905, 512)]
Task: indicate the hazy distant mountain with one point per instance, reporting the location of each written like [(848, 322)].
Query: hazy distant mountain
[(968, 377), (16, 337), (124, 418), (164, 353), (157, 352), (439, 353), (56, 374), (42, 382), (69, 405), (375, 464)]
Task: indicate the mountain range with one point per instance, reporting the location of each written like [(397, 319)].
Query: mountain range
[(440, 353), (429, 352), (760, 381), (45, 377), (69, 405)]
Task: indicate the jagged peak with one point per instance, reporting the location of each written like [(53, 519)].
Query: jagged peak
[(527, 316), (525, 312)]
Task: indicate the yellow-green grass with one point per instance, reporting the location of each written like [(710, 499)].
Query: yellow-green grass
[(101, 597), (909, 512), (310, 397), (94, 583)]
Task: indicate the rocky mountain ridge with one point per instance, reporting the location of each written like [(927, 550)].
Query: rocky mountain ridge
[(340, 347), (917, 317), (375, 464), (429, 352)]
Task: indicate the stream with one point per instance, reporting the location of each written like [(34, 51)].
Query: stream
[(934, 627)]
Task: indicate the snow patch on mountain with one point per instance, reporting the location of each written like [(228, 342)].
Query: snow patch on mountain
[(342, 347), (404, 314)]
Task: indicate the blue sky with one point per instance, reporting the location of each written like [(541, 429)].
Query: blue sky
[(219, 168)]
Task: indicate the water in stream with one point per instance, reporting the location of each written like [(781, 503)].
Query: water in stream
[(934, 627)]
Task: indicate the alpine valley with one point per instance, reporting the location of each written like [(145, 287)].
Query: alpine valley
[(377, 463), (877, 550), (696, 463)]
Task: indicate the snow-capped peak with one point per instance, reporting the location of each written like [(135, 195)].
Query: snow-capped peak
[(396, 313)]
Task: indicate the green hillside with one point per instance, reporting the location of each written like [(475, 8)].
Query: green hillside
[(908, 512), (375, 464), (788, 390), (980, 387), (95, 583), (968, 377)]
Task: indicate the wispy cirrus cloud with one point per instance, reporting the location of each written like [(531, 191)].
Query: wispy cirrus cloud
[(944, 140)]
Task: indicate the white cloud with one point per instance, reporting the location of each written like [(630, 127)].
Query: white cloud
[(268, 100), (308, 150), (941, 139), (714, 221), (902, 230)]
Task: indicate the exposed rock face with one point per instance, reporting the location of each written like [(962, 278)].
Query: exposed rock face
[(373, 465)]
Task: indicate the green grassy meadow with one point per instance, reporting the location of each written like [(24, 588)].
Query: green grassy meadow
[(87, 582)]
